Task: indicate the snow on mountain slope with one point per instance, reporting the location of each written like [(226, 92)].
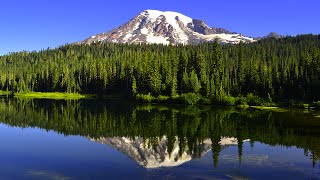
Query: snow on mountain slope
[(153, 26), (155, 157), (170, 16)]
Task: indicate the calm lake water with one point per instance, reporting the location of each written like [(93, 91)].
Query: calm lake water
[(87, 139)]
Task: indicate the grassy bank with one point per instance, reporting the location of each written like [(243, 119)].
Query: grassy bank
[(50, 95), (4, 93), (275, 109)]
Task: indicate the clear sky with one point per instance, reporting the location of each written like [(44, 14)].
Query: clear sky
[(38, 24)]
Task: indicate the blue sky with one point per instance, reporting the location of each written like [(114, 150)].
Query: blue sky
[(38, 24)]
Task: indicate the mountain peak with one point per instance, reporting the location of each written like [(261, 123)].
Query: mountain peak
[(154, 26), (273, 35), (170, 16)]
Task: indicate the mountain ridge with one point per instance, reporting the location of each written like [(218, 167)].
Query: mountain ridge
[(169, 27)]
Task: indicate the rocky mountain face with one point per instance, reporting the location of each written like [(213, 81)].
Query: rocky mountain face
[(152, 26), (154, 157)]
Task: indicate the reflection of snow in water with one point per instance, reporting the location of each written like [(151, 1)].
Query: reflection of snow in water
[(158, 156), (148, 156)]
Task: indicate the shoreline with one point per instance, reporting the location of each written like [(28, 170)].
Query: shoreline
[(168, 100), (51, 95)]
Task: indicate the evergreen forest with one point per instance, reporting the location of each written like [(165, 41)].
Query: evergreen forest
[(262, 73)]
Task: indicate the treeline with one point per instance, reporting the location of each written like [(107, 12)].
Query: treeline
[(190, 125), (267, 71)]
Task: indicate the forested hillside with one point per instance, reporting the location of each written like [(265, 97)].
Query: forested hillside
[(267, 71)]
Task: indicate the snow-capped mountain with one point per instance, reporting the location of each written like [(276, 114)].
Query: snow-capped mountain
[(155, 157), (153, 26)]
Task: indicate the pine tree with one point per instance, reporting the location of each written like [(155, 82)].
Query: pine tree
[(194, 82)]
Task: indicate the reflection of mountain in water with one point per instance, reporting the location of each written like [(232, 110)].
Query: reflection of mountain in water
[(159, 156), (166, 128)]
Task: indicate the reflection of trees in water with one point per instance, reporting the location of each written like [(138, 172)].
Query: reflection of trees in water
[(190, 125)]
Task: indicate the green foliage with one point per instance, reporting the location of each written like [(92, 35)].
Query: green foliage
[(241, 101), (229, 100), (249, 99), (298, 104), (194, 82), (185, 83), (205, 100), (316, 104), (191, 98), (163, 98), (134, 86), (147, 98), (253, 100), (275, 70)]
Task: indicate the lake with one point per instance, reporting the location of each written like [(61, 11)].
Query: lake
[(89, 139)]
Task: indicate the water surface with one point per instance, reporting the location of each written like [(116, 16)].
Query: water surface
[(87, 139)]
